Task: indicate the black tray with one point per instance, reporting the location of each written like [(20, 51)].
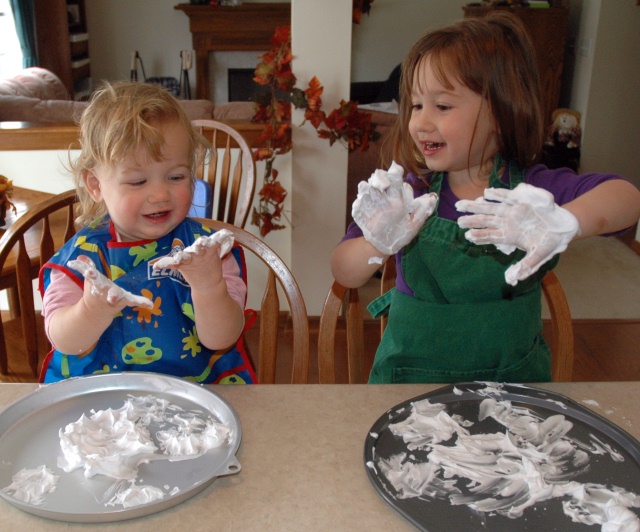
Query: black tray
[(434, 514)]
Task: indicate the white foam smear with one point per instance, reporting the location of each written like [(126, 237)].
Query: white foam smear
[(224, 237), (508, 472), (127, 494), (114, 442), (31, 485)]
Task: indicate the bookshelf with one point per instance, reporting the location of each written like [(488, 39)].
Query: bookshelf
[(62, 41)]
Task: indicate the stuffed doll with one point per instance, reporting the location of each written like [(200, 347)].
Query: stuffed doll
[(562, 143)]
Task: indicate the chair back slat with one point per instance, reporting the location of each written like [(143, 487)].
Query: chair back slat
[(235, 189), (46, 242), (233, 184), (562, 341), (327, 337), (355, 337), (27, 312), (225, 171), (269, 326)]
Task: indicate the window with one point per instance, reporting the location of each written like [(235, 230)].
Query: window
[(10, 53)]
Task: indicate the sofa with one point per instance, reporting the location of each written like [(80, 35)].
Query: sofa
[(37, 95)]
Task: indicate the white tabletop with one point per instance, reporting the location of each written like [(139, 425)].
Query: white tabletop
[(302, 459)]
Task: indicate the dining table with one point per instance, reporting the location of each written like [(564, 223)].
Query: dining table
[(23, 200), (302, 458)]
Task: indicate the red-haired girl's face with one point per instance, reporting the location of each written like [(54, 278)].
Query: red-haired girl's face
[(451, 126)]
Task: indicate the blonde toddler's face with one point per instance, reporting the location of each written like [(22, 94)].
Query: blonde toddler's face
[(146, 199)]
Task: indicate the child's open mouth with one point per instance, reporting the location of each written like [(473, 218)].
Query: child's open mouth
[(157, 215), (433, 145)]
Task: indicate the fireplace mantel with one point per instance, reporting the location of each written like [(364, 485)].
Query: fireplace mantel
[(244, 27)]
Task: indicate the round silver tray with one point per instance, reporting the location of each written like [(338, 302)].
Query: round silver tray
[(29, 439)]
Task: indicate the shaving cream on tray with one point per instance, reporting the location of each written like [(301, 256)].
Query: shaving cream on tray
[(114, 442), (504, 473)]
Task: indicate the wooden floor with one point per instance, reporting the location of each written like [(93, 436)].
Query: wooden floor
[(605, 350)]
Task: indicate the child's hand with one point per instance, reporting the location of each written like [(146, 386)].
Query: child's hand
[(386, 211), (101, 285), (526, 218), (223, 237), (200, 263)]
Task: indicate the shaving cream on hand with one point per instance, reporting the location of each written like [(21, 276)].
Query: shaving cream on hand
[(386, 211), (99, 283), (224, 237), (526, 218)]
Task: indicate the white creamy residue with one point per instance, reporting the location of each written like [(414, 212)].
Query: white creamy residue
[(507, 472), (132, 495), (31, 485), (114, 442), (107, 443)]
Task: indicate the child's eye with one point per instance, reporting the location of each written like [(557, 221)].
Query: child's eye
[(443, 107), (416, 107), (177, 177), (137, 183)]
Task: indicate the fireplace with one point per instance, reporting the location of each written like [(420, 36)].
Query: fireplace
[(245, 27), (240, 84)]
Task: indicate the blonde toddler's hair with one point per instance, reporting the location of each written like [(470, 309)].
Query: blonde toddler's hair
[(121, 118)]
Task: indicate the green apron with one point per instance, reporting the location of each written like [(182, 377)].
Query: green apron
[(464, 323)]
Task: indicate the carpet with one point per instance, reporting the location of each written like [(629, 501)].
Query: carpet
[(601, 279)]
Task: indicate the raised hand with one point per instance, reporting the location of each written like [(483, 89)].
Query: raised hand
[(100, 283), (526, 218), (224, 237), (386, 211)]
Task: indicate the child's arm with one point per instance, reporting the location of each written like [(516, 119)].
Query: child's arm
[(219, 318), (350, 263), (527, 218), (609, 207), (75, 328)]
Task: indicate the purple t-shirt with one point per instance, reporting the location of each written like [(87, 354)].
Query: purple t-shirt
[(563, 183)]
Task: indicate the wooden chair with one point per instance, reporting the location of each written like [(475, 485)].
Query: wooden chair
[(29, 243), (347, 301), (232, 191), (269, 314)]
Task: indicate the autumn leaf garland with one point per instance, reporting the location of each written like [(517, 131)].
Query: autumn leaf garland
[(346, 124)]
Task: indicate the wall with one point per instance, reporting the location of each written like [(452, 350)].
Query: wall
[(319, 170), (383, 37), (606, 85), (612, 108)]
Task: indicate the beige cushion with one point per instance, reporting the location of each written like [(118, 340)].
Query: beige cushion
[(198, 109), (22, 109), (234, 111), (34, 82)]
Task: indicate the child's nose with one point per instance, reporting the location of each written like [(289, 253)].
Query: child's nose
[(159, 193), (424, 120)]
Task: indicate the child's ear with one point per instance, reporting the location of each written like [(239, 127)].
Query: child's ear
[(92, 184)]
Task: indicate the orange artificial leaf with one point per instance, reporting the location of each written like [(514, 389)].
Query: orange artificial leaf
[(313, 94)]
